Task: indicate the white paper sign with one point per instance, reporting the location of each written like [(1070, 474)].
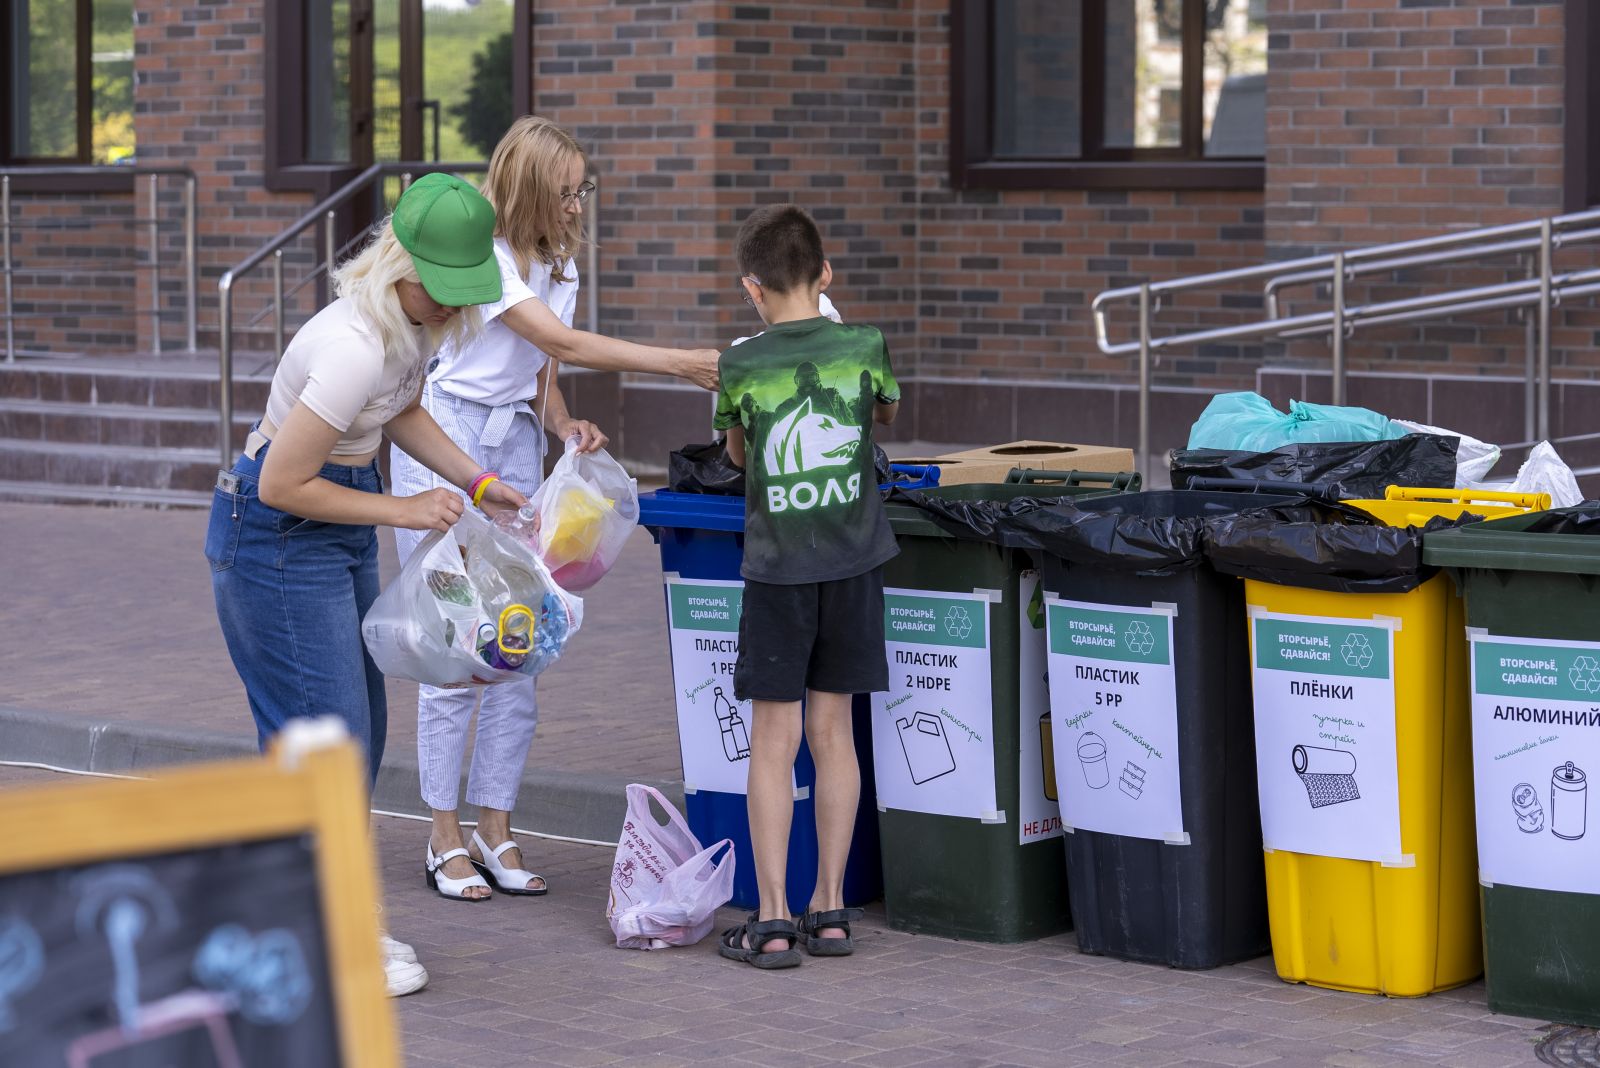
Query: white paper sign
[(932, 733), (1535, 750), (1325, 735), (1038, 813), (713, 728), (1114, 707)]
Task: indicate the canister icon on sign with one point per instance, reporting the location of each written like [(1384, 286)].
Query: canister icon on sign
[(1092, 755), (1047, 756), (1569, 802)]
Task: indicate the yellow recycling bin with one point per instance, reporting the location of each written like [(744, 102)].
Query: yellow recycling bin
[(1364, 762)]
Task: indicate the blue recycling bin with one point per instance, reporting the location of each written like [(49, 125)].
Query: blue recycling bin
[(702, 545)]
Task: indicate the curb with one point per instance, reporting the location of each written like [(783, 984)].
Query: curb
[(561, 803)]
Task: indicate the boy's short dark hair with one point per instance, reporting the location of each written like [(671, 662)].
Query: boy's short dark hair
[(779, 245)]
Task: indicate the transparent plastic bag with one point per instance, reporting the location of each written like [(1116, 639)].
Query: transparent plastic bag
[(587, 508), (472, 606), (665, 889), (1542, 472)]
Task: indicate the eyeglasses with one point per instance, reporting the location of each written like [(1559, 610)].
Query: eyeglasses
[(744, 294), (579, 194)]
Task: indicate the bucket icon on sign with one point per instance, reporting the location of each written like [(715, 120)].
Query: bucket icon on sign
[(1092, 755), (1569, 802)]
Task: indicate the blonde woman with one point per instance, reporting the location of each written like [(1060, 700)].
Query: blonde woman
[(496, 394), (291, 540)]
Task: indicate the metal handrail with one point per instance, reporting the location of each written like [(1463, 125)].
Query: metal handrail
[(323, 214), (191, 264), (1539, 238)]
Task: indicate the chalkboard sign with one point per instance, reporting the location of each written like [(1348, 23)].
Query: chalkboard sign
[(217, 916)]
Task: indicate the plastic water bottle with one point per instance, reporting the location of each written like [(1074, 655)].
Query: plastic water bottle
[(523, 524), (735, 737)]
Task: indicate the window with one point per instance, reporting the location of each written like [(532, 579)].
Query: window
[(350, 82), (1108, 94), (68, 80)]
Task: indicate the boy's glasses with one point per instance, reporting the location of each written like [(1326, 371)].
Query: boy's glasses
[(744, 294), (579, 194)]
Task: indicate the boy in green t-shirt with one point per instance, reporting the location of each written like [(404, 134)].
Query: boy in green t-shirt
[(798, 403)]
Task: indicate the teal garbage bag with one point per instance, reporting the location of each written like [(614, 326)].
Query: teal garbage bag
[(1247, 422)]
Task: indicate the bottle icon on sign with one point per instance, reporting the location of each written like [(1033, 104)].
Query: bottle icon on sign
[(735, 736)]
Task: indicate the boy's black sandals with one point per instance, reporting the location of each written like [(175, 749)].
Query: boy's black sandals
[(812, 924), (744, 942)]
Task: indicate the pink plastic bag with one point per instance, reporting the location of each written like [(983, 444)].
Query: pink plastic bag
[(665, 889)]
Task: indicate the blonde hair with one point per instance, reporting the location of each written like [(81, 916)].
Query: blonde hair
[(524, 185), (368, 281)]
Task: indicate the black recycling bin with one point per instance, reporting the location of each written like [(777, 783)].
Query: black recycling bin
[(1154, 735)]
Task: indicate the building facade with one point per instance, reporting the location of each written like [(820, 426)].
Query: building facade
[(981, 171)]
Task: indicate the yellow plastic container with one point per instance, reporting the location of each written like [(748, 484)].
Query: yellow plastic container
[(1406, 925)]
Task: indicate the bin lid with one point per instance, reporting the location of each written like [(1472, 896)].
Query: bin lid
[(693, 511), (1562, 540)]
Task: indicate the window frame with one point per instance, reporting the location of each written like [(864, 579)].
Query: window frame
[(973, 164), (286, 169), (1581, 118), (108, 177)]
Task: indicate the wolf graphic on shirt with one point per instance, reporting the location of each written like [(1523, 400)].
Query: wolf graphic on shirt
[(805, 440)]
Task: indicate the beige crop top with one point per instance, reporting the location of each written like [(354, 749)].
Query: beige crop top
[(336, 366)]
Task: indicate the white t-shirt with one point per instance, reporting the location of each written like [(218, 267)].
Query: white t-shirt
[(337, 367), (500, 366)]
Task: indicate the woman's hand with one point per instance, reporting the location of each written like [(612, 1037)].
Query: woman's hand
[(589, 436), (435, 509), (698, 366), (500, 496)]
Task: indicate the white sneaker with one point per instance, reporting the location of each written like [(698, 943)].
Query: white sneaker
[(393, 949), (403, 977)]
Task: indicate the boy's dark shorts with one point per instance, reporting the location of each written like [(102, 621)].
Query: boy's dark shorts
[(825, 636)]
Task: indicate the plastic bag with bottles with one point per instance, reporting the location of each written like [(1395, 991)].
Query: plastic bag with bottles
[(472, 606)]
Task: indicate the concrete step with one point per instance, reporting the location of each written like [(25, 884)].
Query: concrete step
[(129, 496), (147, 383), (115, 424), (80, 464)]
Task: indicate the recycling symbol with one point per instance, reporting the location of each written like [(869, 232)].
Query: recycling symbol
[(1138, 637), (1585, 674), (1357, 651), (957, 623)]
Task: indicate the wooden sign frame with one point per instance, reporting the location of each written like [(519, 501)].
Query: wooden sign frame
[(312, 784)]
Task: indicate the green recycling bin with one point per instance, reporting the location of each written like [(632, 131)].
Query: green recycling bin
[(967, 813), (1532, 586)]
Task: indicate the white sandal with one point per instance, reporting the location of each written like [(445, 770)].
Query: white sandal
[(512, 881), (448, 887)]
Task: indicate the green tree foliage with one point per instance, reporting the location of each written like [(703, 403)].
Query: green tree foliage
[(485, 113)]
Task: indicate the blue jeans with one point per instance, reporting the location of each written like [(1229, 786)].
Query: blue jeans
[(291, 594)]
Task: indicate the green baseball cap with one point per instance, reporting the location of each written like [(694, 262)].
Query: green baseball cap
[(448, 227)]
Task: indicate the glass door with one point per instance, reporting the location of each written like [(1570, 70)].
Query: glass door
[(442, 78)]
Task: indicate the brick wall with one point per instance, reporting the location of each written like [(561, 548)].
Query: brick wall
[(1399, 120), (200, 102), (75, 260)]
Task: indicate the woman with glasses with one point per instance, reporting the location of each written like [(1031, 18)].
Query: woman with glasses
[(496, 395)]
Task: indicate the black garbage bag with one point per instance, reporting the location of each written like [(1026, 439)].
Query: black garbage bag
[(1579, 519), (1121, 539), (972, 520), (704, 469), (1322, 545), (707, 469), (1348, 469)]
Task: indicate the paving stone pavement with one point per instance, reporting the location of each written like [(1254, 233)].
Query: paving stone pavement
[(539, 982), (123, 597)]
